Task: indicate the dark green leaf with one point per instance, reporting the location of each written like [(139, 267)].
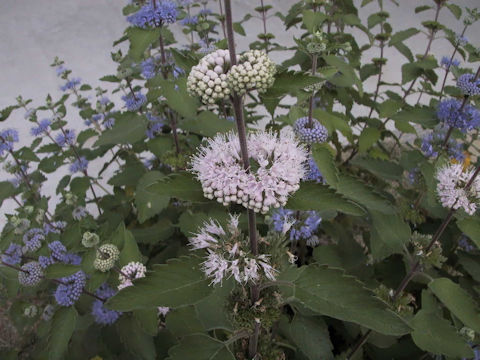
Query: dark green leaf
[(128, 129), (63, 325), (148, 203)]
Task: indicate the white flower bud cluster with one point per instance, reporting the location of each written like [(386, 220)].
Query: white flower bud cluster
[(133, 270), (228, 254), (277, 166), (107, 255), (255, 70), (208, 79), (451, 188)]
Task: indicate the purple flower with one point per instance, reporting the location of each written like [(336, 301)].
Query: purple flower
[(7, 138), (45, 261), (33, 239), (101, 314), (313, 172), (155, 125), (301, 225), (108, 123), (60, 70), (413, 175), (67, 138), (317, 133), (189, 20), (41, 128), (448, 111), (446, 63), (104, 100), (54, 227), (58, 250), (177, 71), (205, 12), (468, 84), (71, 84), (72, 259), (148, 68), (433, 141), (71, 289), (134, 102), (79, 165), (31, 275), (163, 12), (13, 254)]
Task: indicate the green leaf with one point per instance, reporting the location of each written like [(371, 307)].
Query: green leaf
[(155, 234), (384, 169), (183, 321), (147, 319), (424, 116), (128, 129), (403, 35), (389, 107), (178, 98), (139, 343), (454, 9), (471, 263), (438, 336), (207, 123), (313, 20), (458, 301), (56, 271), (348, 76), (5, 113), (63, 325), (419, 9), (471, 228), (333, 123), (290, 82), (332, 293), (110, 78), (367, 138), (389, 234), (51, 164), (130, 251), (200, 347), (212, 312), (320, 197), (238, 28), (310, 335), (182, 186), (322, 154), (180, 282), (148, 203), (6, 190), (360, 192), (140, 40)]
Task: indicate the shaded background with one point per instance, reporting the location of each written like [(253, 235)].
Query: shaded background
[(81, 32)]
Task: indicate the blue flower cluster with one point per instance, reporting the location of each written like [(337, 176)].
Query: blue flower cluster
[(134, 102), (148, 68), (448, 111), (7, 138), (13, 254), (54, 227), (155, 125), (413, 176), (31, 274), (42, 127), (469, 84), (154, 14), (446, 63), (189, 20), (310, 135), (313, 172), (67, 138), (462, 40), (71, 84), (79, 165), (58, 253), (33, 239), (71, 288), (433, 141), (301, 225), (101, 314)]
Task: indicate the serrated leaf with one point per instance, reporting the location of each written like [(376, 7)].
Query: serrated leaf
[(389, 234), (183, 321), (471, 263), (360, 192), (180, 282), (454, 9), (148, 203), (313, 20), (322, 154), (63, 325), (458, 301), (402, 35), (471, 228), (348, 76), (182, 186), (320, 197), (207, 123), (384, 169), (140, 344), (310, 335), (6, 190), (419, 115), (130, 251), (56, 271), (128, 129), (367, 138), (332, 293), (140, 40), (333, 123), (290, 82), (438, 336), (178, 98), (200, 347)]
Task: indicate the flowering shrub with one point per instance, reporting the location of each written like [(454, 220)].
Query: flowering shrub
[(220, 205)]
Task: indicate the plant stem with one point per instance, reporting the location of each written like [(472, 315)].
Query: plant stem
[(416, 266), (264, 19), (310, 105), (242, 136)]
